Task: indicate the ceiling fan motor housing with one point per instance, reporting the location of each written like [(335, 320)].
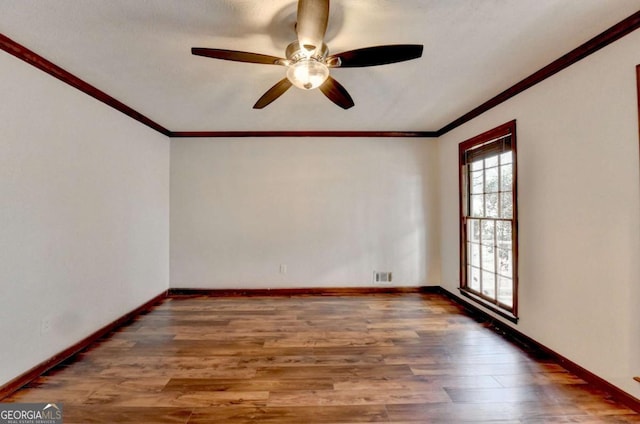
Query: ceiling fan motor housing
[(297, 52)]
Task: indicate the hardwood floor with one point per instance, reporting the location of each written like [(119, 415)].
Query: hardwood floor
[(392, 358)]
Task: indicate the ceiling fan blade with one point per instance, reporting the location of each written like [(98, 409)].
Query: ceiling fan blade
[(313, 17), (237, 56), (377, 55), (336, 93), (273, 93)]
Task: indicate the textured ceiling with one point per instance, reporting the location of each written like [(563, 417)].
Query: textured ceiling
[(139, 52)]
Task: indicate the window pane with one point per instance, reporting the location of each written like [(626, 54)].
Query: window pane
[(488, 258), (505, 259), (473, 275), (505, 291), (477, 182), (488, 233), (506, 178), (489, 284), (492, 161), (473, 229), (491, 180), (491, 206), (506, 158), (477, 165), (506, 200), (477, 205), (503, 233), (474, 254)]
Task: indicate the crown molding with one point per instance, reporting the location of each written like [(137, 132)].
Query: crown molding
[(601, 40), (34, 59), (214, 134)]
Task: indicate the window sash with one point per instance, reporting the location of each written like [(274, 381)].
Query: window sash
[(478, 265), (488, 149)]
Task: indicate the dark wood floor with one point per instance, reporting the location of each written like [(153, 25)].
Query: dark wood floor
[(401, 358)]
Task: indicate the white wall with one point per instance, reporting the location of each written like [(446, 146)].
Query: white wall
[(579, 207), (84, 215), (331, 210)]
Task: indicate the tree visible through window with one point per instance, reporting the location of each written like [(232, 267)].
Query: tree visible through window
[(488, 218)]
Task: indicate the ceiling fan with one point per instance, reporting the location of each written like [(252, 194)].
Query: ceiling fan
[(308, 60)]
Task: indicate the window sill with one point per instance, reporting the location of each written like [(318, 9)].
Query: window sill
[(493, 308)]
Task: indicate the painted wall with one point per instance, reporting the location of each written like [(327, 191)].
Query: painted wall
[(579, 189), (84, 216), (331, 210)]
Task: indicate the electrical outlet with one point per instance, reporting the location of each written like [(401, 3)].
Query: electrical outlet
[(283, 269), (45, 324)]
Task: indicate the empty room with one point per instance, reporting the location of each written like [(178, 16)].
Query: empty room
[(314, 211)]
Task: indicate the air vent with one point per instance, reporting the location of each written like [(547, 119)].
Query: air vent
[(382, 277)]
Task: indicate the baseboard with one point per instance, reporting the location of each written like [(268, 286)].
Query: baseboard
[(315, 291), (35, 372), (522, 339)]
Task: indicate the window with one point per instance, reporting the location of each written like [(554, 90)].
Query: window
[(488, 226)]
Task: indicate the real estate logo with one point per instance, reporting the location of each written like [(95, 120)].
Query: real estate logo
[(30, 413)]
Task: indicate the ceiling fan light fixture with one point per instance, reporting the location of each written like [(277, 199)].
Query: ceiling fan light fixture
[(308, 73), (308, 61)]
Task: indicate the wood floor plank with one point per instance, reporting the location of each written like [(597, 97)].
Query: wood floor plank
[(90, 414), (519, 380), (390, 371), (291, 415), (446, 413), (497, 395), (212, 385), (368, 396), (392, 358), (197, 399)]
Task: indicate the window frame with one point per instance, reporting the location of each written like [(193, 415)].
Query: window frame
[(638, 88), (507, 129)]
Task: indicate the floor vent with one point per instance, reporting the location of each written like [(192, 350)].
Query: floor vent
[(382, 277)]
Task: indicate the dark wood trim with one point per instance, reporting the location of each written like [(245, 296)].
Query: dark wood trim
[(492, 134), (638, 88), (508, 128), (493, 308), (526, 341), (605, 38), (313, 291), (353, 134), (34, 59), (38, 370)]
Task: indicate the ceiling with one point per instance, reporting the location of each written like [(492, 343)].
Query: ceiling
[(139, 53)]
